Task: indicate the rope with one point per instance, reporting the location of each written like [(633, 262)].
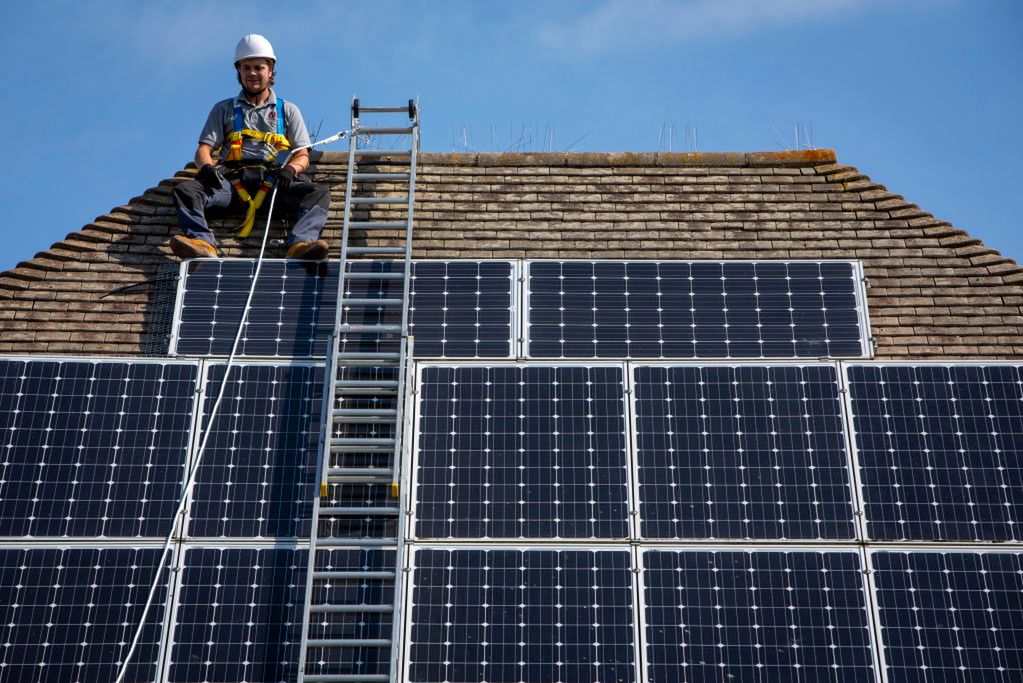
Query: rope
[(202, 449)]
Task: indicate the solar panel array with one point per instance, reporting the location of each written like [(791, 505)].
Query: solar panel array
[(593, 511), (570, 309)]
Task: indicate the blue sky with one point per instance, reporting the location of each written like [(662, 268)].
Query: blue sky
[(107, 98)]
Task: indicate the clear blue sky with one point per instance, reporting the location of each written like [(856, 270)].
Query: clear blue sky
[(104, 99)]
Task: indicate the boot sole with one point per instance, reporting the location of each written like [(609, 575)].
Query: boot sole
[(183, 249), (314, 252)]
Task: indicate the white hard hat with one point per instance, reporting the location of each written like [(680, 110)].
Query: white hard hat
[(254, 45)]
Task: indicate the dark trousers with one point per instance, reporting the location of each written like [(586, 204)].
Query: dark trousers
[(305, 201)]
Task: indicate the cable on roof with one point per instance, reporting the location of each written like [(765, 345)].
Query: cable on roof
[(199, 454), (340, 135)]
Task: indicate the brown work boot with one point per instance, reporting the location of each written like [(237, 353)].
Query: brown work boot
[(190, 247), (309, 251)]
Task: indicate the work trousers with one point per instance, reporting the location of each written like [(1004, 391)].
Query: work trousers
[(304, 201)]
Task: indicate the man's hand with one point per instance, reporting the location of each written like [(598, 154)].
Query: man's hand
[(285, 177), (209, 177)]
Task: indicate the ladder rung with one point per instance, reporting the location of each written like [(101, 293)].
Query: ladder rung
[(346, 678), (379, 200), (399, 153), (372, 302), (381, 176), (366, 391), (348, 642), (369, 329), (384, 110), (386, 131), (363, 275), (329, 574), (371, 359), (351, 608), (377, 225), (360, 472), (375, 250), (368, 416), (334, 542), (358, 511), (366, 412), (366, 383), (361, 441)]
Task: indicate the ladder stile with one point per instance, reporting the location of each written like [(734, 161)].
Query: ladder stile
[(363, 418)]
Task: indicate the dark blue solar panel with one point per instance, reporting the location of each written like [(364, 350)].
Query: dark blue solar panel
[(92, 448), (458, 308), (650, 309), (940, 450), (68, 615), (521, 615), (521, 452), (950, 616), (258, 472), (239, 615), (742, 452), (756, 616)]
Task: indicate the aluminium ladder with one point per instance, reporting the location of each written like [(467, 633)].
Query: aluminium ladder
[(353, 594)]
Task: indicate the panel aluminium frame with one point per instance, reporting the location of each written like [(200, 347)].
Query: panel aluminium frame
[(641, 597), (412, 465), (633, 427), (915, 547), (170, 586), (199, 414), (408, 570), (516, 286), (860, 292), (854, 455), (190, 438)]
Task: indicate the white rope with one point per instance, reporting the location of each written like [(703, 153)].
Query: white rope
[(202, 449)]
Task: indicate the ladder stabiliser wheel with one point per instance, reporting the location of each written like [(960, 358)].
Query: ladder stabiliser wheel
[(355, 108), (412, 109)]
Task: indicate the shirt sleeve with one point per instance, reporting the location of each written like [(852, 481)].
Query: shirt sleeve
[(295, 128), (213, 132)]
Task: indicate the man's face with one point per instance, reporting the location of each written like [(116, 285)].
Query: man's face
[(255, 74)]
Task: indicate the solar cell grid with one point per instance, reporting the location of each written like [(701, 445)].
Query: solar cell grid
[(755, 616), (457, 308), (940, 450), (257, 477), (521, 615), (950, 616), (742, 452), (92, 448), (730, 309), (239, 615), (521, 452), (67, 615)]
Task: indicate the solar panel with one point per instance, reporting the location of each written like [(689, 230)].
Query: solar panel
[(729, 309), (92, 448), (939, 450), (742, 452), (521, 452), (457, 308), (521, 615), (238, 615), (950, 616), (761, 615), (68, 615), (258, 473)]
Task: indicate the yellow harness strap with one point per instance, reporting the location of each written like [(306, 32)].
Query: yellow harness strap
[(254, 202), (275, 140)]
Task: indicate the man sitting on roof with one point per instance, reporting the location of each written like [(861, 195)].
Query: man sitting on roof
[(251, 130)]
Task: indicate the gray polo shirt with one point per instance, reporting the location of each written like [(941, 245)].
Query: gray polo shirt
[(263, 118)]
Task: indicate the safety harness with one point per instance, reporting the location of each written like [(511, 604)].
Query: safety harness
[(277, 142)]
